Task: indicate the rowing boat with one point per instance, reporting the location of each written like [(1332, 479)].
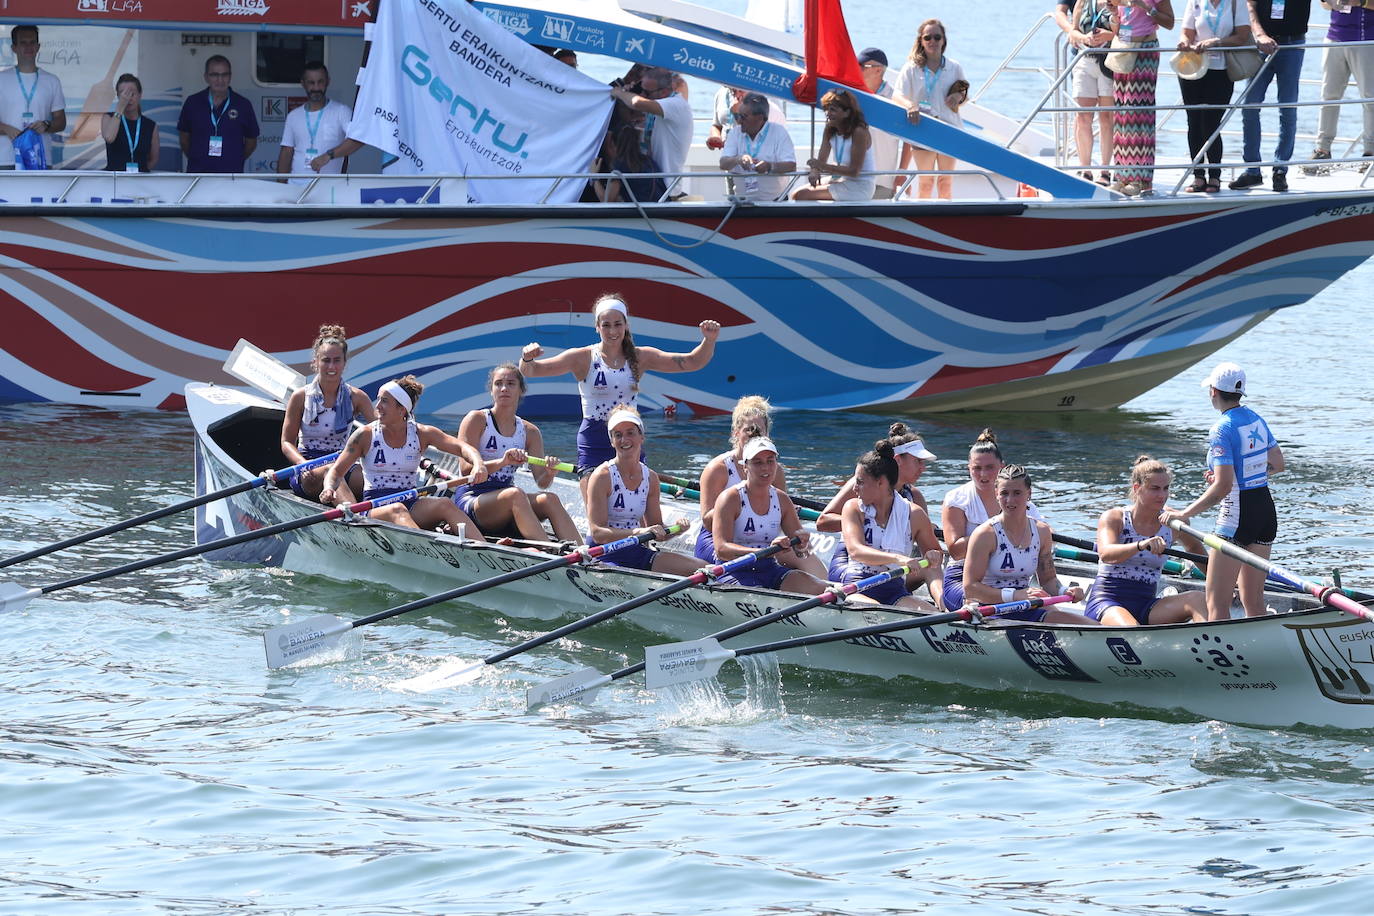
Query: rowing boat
[(1304, 665)]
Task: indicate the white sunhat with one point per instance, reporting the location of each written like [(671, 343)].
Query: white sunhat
[(914, 447), (759, 444), (1189, 65), (1227, 377)]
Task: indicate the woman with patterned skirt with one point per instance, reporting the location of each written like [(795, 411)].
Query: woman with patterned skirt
[(1137, 22)]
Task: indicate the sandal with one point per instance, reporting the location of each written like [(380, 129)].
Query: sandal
[(1104, 179), (1214, 187), (1197, 187), (1086, 174)]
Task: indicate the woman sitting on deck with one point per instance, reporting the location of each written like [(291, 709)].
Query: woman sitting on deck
[(390, 448), (846, 154), (623, 501), (1131, 542), (504, 440), (318, 416), (1007, 549), (880, 527)]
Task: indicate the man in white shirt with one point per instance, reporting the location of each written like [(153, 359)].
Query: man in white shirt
[(758, 150), (886, 149), (315, 138), (30, 98), (662, 96)]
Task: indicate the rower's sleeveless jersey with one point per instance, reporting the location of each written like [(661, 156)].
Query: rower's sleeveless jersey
[(965, 497), (625, 508), (839, 560), (325, 429), (494, 445), (604, 387), (732, 472), (894, 537), (751, 529), (385, 467), (1143, 566), (1011, 566)]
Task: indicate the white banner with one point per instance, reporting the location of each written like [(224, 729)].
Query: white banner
[(447, 90)]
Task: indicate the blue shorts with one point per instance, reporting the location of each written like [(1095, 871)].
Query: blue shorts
[(377, 492), (890, 592), (636, 556), (1111, 591), (706, 545), (765, 573), (1031, 615), (310, 454), (466, 496), (952, 595), (839, 562)]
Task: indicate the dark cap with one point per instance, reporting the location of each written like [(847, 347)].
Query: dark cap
[(872, 54)]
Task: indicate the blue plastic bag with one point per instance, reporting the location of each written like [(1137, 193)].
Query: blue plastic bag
[(30, 153)]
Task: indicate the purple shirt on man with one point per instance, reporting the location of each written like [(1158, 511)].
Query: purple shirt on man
[(1355, 25), (232, 121)]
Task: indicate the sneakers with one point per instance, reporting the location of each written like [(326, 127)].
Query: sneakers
[(1246, 180), (1280, 180), (1317, 169)]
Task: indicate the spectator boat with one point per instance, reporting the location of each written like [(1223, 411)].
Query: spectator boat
[(123, 288), (1306, 665)]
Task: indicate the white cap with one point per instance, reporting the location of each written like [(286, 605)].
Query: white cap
[(1227, 377), (914, 447), (623, 416), (759, 444)]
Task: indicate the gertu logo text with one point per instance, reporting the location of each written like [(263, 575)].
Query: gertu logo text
[(414, 65)]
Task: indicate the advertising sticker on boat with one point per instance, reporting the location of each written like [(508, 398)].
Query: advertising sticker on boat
[(1041, 650), (1340, 656)]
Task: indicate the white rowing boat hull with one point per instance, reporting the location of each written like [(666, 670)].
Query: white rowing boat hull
[(1313, 666)]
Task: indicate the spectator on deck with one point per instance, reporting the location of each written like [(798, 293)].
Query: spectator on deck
[(886, 148), (1137, 22), (30, 98), (1207, 25), (218, 129), (567, 56), (759, 151), (846, 153), (724, 109), (1274, 37), (1349, 22), (1087, 24), (315, 138), (131, 137), (661, 95), (933, 84)]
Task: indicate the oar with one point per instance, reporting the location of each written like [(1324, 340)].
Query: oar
[(442, 677), (14, 597), (1198, 560), (1172, 567), (262, 480), (295, 641), (582, 685), (698, 660), (1327, 594)]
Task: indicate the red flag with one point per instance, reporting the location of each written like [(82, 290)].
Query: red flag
[(829, 52)]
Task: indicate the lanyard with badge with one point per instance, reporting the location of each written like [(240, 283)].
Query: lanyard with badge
[(131, 165), (1213, 16), (28, 95), (931, 80), (216, 148), (1277, 10), (313, 150), (751, 181)]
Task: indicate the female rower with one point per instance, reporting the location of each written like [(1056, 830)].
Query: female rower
[(1241, 454), (1008, 548), (505, 440), (1131, 542), (623, 501), (880, 527), (752, 416), (968, 506), (314, 425), (911, 454), (754, 514), (390, 449), (608, 373), (846, 153)]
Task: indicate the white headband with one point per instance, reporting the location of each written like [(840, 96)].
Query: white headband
[(623, 416), (614, 304), (398, 394)]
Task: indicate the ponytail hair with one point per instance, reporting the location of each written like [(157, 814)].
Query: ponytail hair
[(330, 334), (1145, 466), (413, 387)]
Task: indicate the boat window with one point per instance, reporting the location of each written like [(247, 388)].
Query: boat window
[(279, 58)]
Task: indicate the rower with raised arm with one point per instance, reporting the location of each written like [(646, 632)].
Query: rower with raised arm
[(608, 373), (753, 514), (505, 440), (1241, 454), (968, 506), (1131, 541), (623, 500), (880, 528), (390, 448), (318, 416), (752, 416), (1007, 549)]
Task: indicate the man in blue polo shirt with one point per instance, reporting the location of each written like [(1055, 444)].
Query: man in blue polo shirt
[(217, 126)]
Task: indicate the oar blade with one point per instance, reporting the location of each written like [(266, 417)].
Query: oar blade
[(452, 674), (294, 641), (15, 597), (579, 687), (683, 662)]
